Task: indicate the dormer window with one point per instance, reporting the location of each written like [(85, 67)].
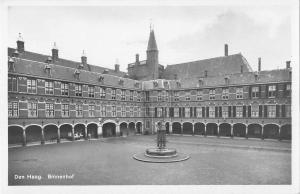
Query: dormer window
[(15, 53), (256, 76), (226, 80), (11, 64), (49, 59), (137, 84), (105, 71), (121, 82), (200, 82), (178, 84), (155, 84), (80, 66), (76, 74), (166, 84), (101, 78), (47, 69)]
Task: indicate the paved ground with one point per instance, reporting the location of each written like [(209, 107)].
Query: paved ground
[(109, 162)]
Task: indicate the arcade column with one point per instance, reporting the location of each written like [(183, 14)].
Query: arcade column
[(24, 137), (58, 135), (99, 131), (117, 130), (43, 136)]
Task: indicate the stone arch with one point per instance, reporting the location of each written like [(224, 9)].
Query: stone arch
[(66, 131), (92, 130), (33, 133), (51, 132), (109, 129), (225, 129), (187, 128), (176, 126), (239, 130), (212, 129), (124, 129), (131, 128), (79, 128), (139, 126), (15, 135), (286, 132), (254, 130), (271, 131), (199, 129)]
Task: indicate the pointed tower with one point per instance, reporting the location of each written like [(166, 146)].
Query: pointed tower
[(152, 56)]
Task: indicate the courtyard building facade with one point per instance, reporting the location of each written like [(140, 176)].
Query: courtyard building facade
[(53, 99)]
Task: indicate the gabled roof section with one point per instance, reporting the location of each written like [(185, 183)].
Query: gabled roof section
[(64, 62), (152, 46), (214, 66)]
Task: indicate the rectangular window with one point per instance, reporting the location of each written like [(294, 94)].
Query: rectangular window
[(187, 112), (225, 93), (78, 90), (176, 96), (199, 112), (239, 93), (114, 113), (123, 95), (288, 90), (65, 110), (91, 91), (225, 111), (255, 92), (102, 93), (65, 89), (288, 111), (12, 84), (79, 110), (113, 94), (255, 111), (31, 86), (123, 111), (239, 111), (49, 109), (187, 96), (147, 124), (49, 87), (199, 95), (147, 96), (147, 111), (271, 91), (159, 112), (139, 111), (212, 112), (176, 112), (271, 111), (212, 94), (131, 111), (131, 96), (91, 110), (13, 109), (159, 96), (32, 109), (103, 111), (138, 96)]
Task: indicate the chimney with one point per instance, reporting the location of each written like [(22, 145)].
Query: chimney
[(259, 64), (137, 58), (83, 59), (242, 69), (205, 73), (54, 52), (117, 67), (288, 64), (20, 44), (226, 49)]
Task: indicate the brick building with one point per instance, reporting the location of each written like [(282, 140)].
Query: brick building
[(51, 98)]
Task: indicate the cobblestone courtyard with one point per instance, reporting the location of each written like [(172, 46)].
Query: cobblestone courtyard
[(109, 162)]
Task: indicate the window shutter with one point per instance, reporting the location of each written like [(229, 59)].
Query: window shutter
[(220, 111), (260, 111), (234, 111), (283, 110), (179, 111), (267, 91), (203, 112), (191, 111), (265, 111), (216, 111), (183, 112), (229, 111), (244, 111), (250, 94), (195, 112), (249, 111), (277, 111), (155, 112), (207, 112)]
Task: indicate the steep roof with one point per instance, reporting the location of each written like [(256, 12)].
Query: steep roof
[(37, 69), (214, 67), (64, 62), (152, 46)]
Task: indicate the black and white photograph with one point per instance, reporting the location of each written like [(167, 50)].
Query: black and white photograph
[(150, 97)]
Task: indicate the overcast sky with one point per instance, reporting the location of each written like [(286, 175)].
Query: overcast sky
[(183, 33)]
